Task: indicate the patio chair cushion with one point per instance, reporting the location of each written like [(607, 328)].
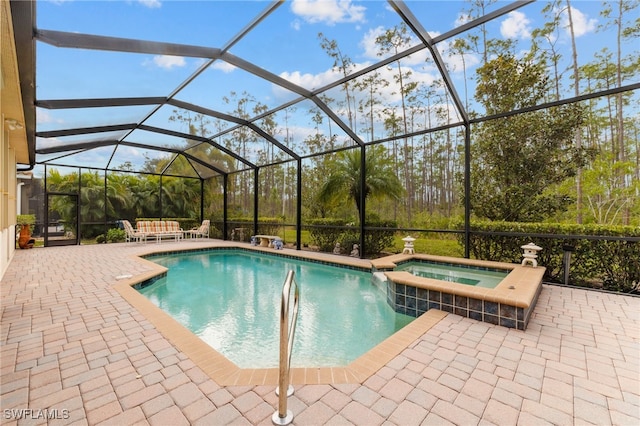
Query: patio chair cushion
[(160, 227)]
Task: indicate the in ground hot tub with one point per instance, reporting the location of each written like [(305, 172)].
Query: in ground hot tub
[(455, 273), (509, 303)]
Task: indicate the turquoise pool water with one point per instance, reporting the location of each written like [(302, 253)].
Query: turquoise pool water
[(454, 273), (231, 300)]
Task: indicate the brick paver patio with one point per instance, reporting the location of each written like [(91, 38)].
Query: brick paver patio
[(73, 349)]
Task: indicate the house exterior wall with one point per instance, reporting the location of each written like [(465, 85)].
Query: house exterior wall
[(13, 140), (8, 206)]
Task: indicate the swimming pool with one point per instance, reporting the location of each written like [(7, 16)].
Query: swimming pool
[(231, 300), (461, 274)]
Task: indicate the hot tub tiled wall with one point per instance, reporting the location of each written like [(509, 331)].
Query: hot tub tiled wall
[(509, 304), (415, 301)]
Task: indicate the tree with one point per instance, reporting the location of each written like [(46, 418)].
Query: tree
[(393, 41), (344, 65), (616, 11), (344, 180), (606, 200), (180, 197), (240, 141), (518, 161), (477, 10), (120, 196), (576, 88), (368, 105), (549, 35)]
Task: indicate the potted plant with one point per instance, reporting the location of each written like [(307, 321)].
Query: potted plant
[(25, 221)]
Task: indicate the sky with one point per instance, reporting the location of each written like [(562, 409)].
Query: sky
[(286, 44)]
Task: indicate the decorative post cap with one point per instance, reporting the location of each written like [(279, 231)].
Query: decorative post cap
[(408, 239), (531, 247), (530, 254)]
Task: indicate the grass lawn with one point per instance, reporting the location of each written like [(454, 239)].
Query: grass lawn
[(435, 246), (442, 246)]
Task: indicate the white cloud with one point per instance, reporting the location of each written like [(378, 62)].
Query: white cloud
[(223, 66), (43, 116), (168, 62), (132, 154), (581, 23), (368, 42), (44, 143), (462, 19), (330, 12), (420, 58), (421, 75), (455, 60), (370, 48), (515, 26), (151, 4), (425, 74), (311, 81)]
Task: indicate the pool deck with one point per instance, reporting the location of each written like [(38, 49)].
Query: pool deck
[(73, 345)]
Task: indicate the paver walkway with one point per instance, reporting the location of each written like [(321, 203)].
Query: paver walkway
[(74, 350)]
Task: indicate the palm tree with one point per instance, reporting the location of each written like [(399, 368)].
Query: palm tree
[(120, 195), (344, 179)]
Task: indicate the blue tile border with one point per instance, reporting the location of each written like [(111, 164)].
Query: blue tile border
[(262, 253), (457, 265), (415, 301), (150, 281), (150, 257)]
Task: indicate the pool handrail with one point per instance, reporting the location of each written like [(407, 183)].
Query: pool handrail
[(282, 416)]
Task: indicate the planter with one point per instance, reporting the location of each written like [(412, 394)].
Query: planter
[(25, 241)]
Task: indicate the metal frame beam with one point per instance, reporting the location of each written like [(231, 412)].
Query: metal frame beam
[(413, 23), (118, 44), (98, 102), (85, 130), (98, 144), (23, 16), (195, 138)]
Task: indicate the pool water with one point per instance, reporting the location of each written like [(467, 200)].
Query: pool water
[(454, 273), (231, 300)]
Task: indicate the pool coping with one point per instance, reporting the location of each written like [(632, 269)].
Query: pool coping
[(225, 372)]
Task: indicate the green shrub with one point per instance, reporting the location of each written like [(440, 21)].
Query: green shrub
[(325, 233), (115, 235), (266, 226), (26, 219), (100, 239), (612, 264), (189, 223), (92, 231), (376, 240)]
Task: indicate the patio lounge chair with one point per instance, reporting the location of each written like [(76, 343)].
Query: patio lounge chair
[(202, 231), (132, 234)]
